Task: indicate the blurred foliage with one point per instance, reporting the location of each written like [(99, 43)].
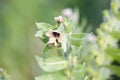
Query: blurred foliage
[(4, 75), (102, 53)]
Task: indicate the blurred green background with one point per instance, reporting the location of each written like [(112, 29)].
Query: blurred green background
[(18, 46)]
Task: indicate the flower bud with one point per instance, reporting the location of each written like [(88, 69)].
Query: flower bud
[(59, 19)]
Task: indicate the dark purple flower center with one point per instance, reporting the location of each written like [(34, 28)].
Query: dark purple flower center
[(56, 34)]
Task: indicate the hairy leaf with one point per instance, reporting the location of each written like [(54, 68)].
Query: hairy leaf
[(51, 77), (52, 64)]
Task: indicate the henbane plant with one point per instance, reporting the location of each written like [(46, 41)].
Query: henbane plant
[(60, 58)]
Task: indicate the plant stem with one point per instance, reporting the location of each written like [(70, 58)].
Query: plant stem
[(70, 67), (70, 73)]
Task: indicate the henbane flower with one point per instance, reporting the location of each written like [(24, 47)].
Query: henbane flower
[(55, 38)]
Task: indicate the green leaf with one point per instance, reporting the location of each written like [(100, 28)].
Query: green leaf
[(52, 64), (42, 29), (44, 26), (115, 34), (46, 48), (51, 77), (113, 54), (39, 34), (42, 36), (78, 39), (115, 69), (115, 8)]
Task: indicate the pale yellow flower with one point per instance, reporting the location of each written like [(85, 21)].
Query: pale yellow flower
[(54, 38)]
